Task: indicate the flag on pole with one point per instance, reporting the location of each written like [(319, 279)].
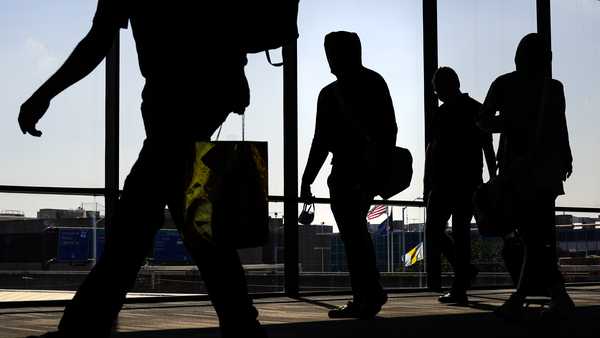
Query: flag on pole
[(376, 211), (414, 255)]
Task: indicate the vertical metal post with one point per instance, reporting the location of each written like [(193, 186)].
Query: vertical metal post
[(403, 252), (290, 167), (430, 65), (544, 24), (390, 226), (430, 61), (111, 160)]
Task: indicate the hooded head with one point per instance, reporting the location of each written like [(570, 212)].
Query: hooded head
[(533, 55), (344, 52), (446, 83)]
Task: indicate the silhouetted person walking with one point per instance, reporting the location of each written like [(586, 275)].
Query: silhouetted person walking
[(355, 117), (453, 170), (187, 95), (534, 158)]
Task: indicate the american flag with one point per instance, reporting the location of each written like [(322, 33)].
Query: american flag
[(377, 211)]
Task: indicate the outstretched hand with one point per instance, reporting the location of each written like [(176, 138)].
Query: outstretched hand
[(31, 112)]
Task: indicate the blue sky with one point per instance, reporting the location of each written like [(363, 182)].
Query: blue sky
[(477, 38)]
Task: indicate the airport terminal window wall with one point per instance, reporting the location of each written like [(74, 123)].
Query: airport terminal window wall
[(477, 39)]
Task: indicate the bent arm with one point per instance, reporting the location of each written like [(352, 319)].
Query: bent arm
[(316, 159), (389, 125), (427, 174), (563, 134), (487, 120), (318, 149)]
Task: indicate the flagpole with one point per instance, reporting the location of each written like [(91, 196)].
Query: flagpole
[(390, 224), (388, 238)]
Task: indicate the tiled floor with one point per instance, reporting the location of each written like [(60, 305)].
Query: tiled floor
[(405, 315)]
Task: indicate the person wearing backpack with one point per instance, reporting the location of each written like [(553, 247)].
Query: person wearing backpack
[(453, 170), (527, 107), (355, 119), (194, 78)]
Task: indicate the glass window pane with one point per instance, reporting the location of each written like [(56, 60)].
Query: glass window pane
[(36, 39), (391, 37), (46, 243), (575, 26), (578, 244), (478, 39)]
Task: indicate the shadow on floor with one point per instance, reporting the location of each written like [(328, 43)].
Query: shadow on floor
[(583, 323)]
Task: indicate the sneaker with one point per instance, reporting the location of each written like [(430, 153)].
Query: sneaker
[(560, 307), (364, 310), (512, 309), (350, 310), (454, 297)]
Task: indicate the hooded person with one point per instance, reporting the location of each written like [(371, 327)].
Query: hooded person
[(534, 158)]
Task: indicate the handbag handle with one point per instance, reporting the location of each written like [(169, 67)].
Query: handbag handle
[(274, 64), (308, 207), (243, 128)]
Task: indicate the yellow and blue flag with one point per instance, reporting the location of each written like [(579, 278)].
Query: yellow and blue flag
[(414, 255)]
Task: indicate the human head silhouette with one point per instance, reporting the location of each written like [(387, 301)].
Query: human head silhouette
[(343, 52), (533, 55), (446, 83)]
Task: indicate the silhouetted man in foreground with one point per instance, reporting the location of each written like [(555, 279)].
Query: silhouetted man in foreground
[(188, 94), (453, 170), (534, 159), (355, 117)]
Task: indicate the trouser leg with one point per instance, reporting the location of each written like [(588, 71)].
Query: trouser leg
[(129, 240), (437, 241), (225, 282), (221, 270), (540, 264), (350, 208), (461, 233)]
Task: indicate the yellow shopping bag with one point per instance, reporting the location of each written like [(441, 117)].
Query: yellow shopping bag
[(226, 194)]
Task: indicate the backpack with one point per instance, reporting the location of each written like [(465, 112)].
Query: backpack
[(266, 24)]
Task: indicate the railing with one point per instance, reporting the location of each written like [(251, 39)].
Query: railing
[(66, 191)]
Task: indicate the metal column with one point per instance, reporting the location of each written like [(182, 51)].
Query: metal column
[(290, 167), (430, 65), (544, 24), (111, 160), (430, 60)]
